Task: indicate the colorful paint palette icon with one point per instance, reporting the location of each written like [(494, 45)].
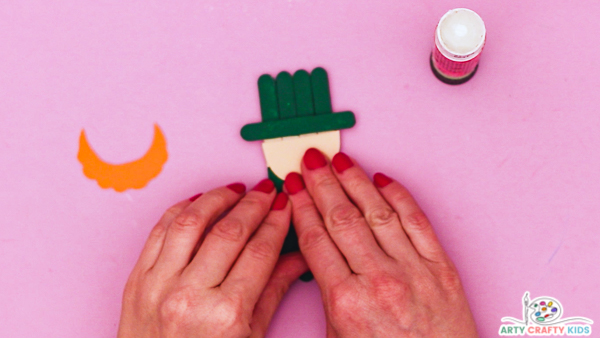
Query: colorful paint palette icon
[(545, 310)]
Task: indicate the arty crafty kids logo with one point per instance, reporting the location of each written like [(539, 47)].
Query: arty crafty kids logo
[(542, 316)]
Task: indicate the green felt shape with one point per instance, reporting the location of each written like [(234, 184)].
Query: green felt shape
[(321, 95), (268, 98), (295, 105), (276, 180), (303, 92), (285, 95), (298, 126)]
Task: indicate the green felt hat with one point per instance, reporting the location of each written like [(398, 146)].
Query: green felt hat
[(295, 105)]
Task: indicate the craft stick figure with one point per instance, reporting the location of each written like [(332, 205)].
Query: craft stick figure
[(296, 115)]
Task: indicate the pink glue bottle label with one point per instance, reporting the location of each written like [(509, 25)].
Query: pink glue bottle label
[(459, 41)]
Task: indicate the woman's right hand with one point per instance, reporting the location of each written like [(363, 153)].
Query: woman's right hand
[(381, 270)]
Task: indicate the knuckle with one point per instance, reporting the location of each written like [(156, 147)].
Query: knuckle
[(229, 229), (344, 217), (161, 227), (176, 307), (417, 221), (159, 230), (343, 302), (252, 202), (324, 182), (231, 314), (347, 303), (353, 182), (225, 316), (173, 211), (449, 278), (312, 237), (261, 249), (305, 209), (387, 286), (150, 294), (188, 220), (381, 217), (402, 196), (217, 197), (183, 306), (230, 317)]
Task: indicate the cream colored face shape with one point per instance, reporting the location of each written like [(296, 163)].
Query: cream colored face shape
[(283, 155)]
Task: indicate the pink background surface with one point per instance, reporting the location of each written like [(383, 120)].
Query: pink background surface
[(506, 165)]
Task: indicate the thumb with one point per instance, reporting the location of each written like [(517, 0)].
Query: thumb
[(288, 269)]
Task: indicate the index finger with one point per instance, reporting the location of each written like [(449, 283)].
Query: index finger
[(322, 256), (414, 222), (345, 223), (252, 270), (229, 236)]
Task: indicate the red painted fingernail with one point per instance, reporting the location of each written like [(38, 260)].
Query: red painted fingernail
[(294, 183), (280, 201), (341, 162), (238, 188), (381, 180), (314, 159), (195, 197), (265, 186)]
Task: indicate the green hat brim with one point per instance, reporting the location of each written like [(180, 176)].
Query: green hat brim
[(297, 126)]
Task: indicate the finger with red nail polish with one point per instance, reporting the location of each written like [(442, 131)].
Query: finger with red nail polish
[(195, 197), (294, 183), (341, 162), (381, 180), (238, 188), (314, 159), (280, 201), (265, 186)]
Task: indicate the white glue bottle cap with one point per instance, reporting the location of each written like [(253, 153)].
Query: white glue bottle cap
[(460, 34)]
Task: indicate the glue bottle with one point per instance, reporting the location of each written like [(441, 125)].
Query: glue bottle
[(459, 40)]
